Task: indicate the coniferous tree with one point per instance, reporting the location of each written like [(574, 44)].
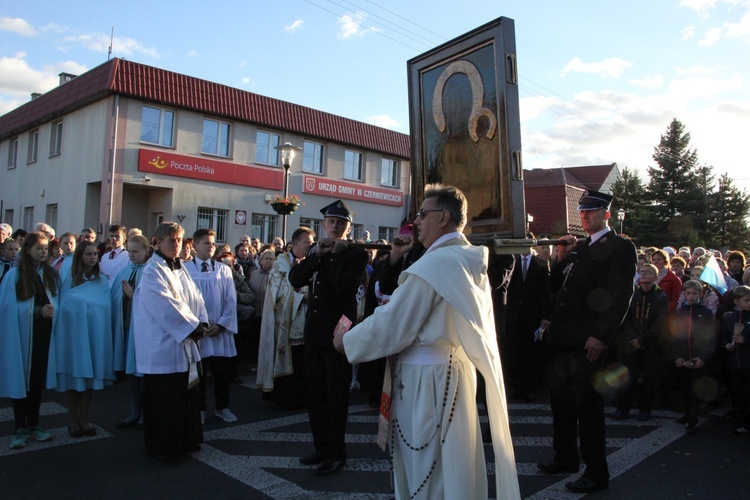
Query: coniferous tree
[(629, 195), (674, 193), (728, 209)]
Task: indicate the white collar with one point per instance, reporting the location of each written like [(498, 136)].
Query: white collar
[(443, 239), (598, 234)]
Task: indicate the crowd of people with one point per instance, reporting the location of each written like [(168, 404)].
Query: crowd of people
[(593, 321)]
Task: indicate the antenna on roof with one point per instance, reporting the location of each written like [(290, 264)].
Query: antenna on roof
[(111, 40)]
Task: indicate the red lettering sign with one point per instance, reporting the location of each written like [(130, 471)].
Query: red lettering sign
[(199, 168), (351, 191)]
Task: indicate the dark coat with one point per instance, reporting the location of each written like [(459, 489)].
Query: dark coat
[(740, 356), (693, 332), (594, 285), (529, 300), (333, 281), (646, 319)]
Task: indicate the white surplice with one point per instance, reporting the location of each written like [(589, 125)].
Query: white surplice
[(220, 296), (167, 308), (443, 303)]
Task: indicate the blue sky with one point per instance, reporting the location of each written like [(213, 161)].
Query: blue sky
[(599, 80)]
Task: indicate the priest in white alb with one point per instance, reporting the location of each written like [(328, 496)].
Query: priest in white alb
[(439, 327)]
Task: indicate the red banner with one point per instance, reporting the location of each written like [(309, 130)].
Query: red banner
[(160, 162), (351, 191)]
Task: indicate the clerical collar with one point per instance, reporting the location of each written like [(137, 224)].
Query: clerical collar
[(171, 263)]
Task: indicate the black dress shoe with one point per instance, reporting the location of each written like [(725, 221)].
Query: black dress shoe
[(586, 485), (558, 468), (330, 466), (314, 459)]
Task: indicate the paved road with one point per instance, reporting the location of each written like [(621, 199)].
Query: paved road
[(257, 457)]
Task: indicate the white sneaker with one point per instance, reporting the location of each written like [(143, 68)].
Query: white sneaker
[(203, 417), (226, 415)]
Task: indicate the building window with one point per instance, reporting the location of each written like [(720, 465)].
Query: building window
[(265, 152), (28, 218), (389, 172), (314, 224), (215, 138), (356, 232), (13, 153), (312, 157), (216, 219), (33, 146), (8, 218), (264, 227), (51, 215), (55, 140), (353, 165), (387, 233), (157, 126)]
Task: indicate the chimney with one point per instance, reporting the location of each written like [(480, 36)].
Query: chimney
[(35, 95), (66, 77)]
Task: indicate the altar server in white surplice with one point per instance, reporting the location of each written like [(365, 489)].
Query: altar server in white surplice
[(214, 280), (113, 261), (169, 317), (440, 326)]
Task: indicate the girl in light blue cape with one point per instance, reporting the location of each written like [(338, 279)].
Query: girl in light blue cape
[(28, 305), (122, 290), (83, 337)]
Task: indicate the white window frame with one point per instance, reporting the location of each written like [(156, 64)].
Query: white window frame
[(164, 128), (315, 224), (55, 140), (390, 172), (387, 233), (33, 148), (214, 218), (266, 224), (356, 232), (313, 157), (353, 165), (28, 218), (8, 217), (221, 143), (51, 214), (267, 154), (13, 153)]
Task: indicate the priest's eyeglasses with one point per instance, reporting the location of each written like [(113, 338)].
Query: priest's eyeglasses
[(424, 212)]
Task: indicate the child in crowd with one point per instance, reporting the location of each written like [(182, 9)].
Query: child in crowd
[(83, 337), (8, 252), (139, 251), (29, 297), (692, 341), (735, 335)]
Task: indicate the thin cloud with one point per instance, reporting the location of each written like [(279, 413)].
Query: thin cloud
[(17, 25), (192, 53), (608, 68), (18, 79), (384, 121), (695, 70), (351, 26), (650, 82), (292, 28), (99, 42), (688, 32)]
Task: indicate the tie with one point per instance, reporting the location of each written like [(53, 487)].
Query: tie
[(58, 263), (588, 240), (131, 280), (525, 266), (204, 267), (112, 255)]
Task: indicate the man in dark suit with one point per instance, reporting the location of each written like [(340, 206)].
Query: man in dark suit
[(594, 285), (529, 309), (333, 271)]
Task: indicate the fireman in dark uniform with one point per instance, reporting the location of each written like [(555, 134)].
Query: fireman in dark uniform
[(333, 272), (593, 282)]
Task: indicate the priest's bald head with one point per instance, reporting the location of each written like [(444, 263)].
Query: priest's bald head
[(443, 211)]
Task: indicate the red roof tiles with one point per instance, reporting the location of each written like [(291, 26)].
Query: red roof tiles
[(181, 91)]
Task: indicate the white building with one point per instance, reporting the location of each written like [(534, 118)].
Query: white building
[(133, 144)]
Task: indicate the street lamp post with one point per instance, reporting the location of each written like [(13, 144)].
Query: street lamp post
[(287, 152), (621, 217)]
